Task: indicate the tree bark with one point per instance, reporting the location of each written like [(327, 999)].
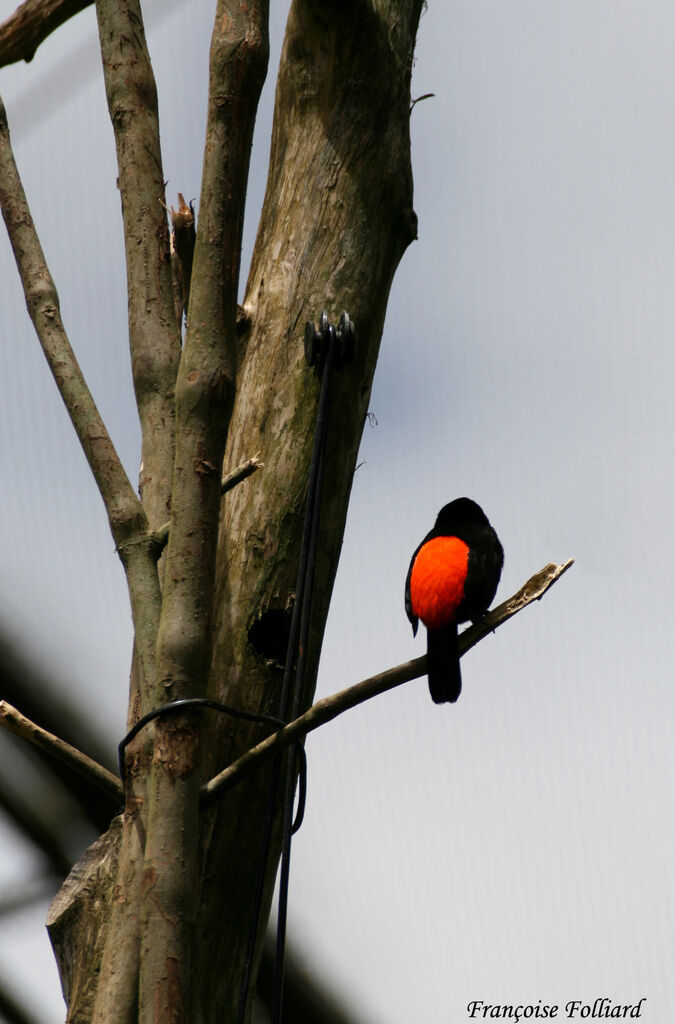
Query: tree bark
[(204, 398), (31, 23), (154, 332), (337, 218)]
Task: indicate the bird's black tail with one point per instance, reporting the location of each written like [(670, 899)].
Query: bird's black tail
[(445, 680)]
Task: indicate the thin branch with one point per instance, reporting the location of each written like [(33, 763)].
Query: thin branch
[(13, 721), (127, 518), (243, 471), (154, 342), (418, 99), (154, 333), (205, 391), (205, 385), (240, 473), (43, 306), (330, 707), (31, 23), (533, 590), (46, 702)]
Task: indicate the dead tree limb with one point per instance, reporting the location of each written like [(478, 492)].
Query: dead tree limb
[(13, 721), (43, 306), (328, 708), (126, 516), (229, 481), (31, 23)]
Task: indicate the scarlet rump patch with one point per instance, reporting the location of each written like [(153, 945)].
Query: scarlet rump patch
[(437, 580)]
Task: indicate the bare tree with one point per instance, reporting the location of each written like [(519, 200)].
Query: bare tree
[(169, 924), (153, 924)]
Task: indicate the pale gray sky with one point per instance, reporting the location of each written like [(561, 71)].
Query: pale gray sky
[(518, 845)]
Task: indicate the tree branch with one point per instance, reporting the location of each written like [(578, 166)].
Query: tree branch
[(128, 522), (43, 306), (337, 217), (205, 387), (243, 471), (154, 342), (31, 23), (204, 399), (330, 707), (13, 721), (154, 334)]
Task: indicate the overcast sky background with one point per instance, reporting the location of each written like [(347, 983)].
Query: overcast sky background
[(517, 846)]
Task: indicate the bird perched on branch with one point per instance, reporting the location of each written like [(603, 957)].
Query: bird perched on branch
[(452, 578)]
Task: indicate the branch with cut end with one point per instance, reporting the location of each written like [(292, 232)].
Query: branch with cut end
[(183, 236), (229, 481), (13, 721), (31, 23), (330, 707)]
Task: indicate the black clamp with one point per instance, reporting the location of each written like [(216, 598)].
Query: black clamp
[(318, 341)]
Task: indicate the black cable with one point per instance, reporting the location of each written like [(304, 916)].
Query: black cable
[(299, 750), (250, 716), (291, 698), (178, 705), (288, 829)]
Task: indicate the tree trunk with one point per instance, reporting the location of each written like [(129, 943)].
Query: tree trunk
[(337, 218)]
